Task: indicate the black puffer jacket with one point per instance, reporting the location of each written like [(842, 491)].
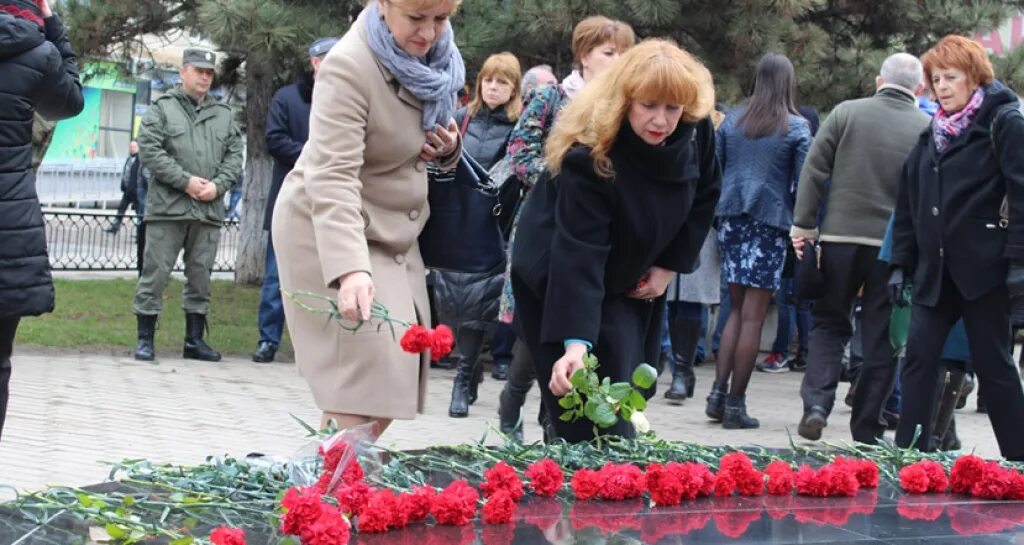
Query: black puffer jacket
[(39, 75), (469, 300), (486, 135)]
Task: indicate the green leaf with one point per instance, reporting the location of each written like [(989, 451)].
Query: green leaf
[(187, 540), (115, 531), (128, 501), (602, 413), (566, 402), (566, 416), (619, 391), (590, 409), (645, 376), (636, 401), (606, 382), (579, 379)]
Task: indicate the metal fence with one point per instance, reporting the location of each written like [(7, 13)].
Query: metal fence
[(78, 241), (75, 182)]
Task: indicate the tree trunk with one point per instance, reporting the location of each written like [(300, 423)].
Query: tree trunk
[(259, 85)]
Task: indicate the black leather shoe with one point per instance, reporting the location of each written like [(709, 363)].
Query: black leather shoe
[(500, 371), (736, 417), (265, 353), (715, 408), (814, 420)]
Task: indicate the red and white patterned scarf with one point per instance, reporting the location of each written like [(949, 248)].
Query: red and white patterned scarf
[(946, 127)]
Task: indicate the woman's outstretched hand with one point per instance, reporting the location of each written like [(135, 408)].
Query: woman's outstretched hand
[(564, 368)]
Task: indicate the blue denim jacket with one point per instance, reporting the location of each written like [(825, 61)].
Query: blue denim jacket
[(760, 174)]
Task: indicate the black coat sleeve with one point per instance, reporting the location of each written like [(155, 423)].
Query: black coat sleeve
[(60, 94), (579, 251), (1010, 129), (683, 254), (280, 144), (904, 239)]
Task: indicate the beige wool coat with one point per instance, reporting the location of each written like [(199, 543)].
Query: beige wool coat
[(357, 201)]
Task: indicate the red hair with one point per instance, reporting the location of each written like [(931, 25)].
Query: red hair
[(962, 54)]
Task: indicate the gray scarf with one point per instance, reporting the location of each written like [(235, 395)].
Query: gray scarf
[(435, 79)]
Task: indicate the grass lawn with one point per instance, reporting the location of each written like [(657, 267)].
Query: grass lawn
[(96, 315)]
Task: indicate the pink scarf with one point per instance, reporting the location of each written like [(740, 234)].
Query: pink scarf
[(946, 127)]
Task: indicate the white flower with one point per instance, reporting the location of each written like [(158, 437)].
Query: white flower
[(640, 422)]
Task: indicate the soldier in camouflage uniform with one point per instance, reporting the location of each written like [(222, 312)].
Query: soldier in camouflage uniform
[(193, 150)]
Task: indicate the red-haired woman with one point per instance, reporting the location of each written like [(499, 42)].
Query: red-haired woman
[(951, 238)]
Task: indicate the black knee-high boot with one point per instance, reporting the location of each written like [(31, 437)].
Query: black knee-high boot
[(685, 335)]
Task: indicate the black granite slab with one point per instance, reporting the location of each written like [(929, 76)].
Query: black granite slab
[(873, 516)]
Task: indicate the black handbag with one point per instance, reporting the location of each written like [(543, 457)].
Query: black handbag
[(462, 233), (809, 280)]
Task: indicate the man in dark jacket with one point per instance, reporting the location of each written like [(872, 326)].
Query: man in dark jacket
[(130, 175), (39, 76), (287, 132), (861, 148), (191, 144)]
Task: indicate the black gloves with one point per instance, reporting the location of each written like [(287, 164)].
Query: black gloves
[(1015, 279), (897, 282)]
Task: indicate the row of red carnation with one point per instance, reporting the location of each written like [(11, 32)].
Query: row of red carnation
[(970, 476), (307, 515)]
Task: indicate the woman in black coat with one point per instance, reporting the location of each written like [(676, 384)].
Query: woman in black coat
[(628, 200), (949, 238), (39, 75), (468, 301)]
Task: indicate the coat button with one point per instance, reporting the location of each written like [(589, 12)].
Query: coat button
[(400, 259), (414, 215), (935, 210), (421, 166)]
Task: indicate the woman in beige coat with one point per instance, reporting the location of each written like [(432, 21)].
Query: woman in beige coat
[(349, 214)]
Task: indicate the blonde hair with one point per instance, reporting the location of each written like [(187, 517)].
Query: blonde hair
[(656, 71), (417, 5), (506, 66), (596, 30)]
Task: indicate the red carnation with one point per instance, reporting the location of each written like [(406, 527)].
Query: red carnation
[(224, 535), (352, 499), (621, 482), (546, 477), (324, 482), (737, 465), (586, 483), (381, 512), (696, 478), (966, 471), (842, 481), (914, 479), (441, 342), (455, 505), (994, 484), (416, 505), (332, 455), (416, 339), (938, 482), (499, 508), (502, 478), (866, 471), (330, 528), (1016, 491), (664, 485), (781, 479), (725, 485), (303, 506)]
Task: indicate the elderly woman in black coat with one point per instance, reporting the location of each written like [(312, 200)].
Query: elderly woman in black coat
[(952, 239), (39, 76), (627, 204)]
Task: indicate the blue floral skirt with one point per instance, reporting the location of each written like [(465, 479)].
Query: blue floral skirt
[(753, 254)]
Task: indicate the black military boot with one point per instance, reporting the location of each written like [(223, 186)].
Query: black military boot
[(195, 347), (459, 407), (685, 335), (715, 408), (736, 417), (146, 325)]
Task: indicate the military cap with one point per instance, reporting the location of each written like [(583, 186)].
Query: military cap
[(200, 58), (320, 47)]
